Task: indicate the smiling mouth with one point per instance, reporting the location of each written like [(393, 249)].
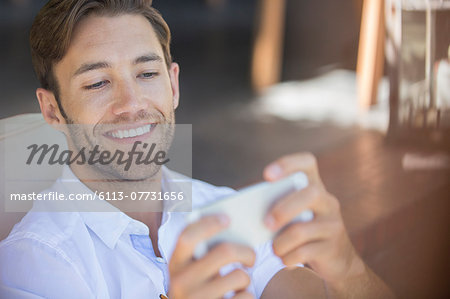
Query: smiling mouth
[(130, 133)]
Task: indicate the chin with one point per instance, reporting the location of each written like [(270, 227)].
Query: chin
[(135, 173)]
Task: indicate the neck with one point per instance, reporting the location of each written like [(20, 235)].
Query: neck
[(126, 195), (153, 222), (135, 197)]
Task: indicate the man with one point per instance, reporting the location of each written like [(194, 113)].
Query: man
[(107, 64)]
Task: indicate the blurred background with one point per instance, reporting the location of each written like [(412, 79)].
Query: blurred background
[(265, 78), (213, 43)]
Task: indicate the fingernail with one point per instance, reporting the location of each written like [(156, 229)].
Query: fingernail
[(270, 222), (274, 171)]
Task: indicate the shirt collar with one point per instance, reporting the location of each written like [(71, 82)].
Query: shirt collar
[(110, 225)]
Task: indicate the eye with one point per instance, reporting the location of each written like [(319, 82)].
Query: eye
[(97, 85), (148, 75)]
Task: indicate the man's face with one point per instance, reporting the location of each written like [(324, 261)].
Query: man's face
[(114, 80)]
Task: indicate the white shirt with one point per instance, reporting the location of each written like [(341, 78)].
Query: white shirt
[(103, 254)]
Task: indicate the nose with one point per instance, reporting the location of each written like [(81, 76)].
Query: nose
[(128, 99)]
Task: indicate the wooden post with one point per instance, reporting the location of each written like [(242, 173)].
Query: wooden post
[(268, 47), (370, 63)]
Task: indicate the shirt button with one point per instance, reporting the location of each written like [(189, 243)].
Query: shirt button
[(160, 260)]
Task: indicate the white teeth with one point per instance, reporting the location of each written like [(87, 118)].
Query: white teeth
[(132, 132)]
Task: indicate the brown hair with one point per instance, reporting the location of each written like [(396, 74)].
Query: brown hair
[(52, 29)]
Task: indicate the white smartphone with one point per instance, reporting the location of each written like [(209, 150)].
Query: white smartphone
[(246, 210)]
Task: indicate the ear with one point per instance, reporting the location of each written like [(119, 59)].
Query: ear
[(174, 72), (49, 107)]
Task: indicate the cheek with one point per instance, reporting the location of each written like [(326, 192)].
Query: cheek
[(85, 110), (159, 95)]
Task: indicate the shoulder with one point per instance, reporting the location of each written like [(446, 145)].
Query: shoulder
[(33, 268), (51, 228), (30, 238), (42, 243), (41, 234)]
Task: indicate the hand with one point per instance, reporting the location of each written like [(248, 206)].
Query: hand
[(322, 243), (200, 278)]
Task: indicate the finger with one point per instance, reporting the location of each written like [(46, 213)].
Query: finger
[(243, 295), (235, 281), (192, 235), (299, 234), (223, 254), (305, 162), (286, 209), (305, 254)]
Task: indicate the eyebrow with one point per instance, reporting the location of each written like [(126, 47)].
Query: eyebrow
[(90, 67), (146, 58), (103, 64)]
